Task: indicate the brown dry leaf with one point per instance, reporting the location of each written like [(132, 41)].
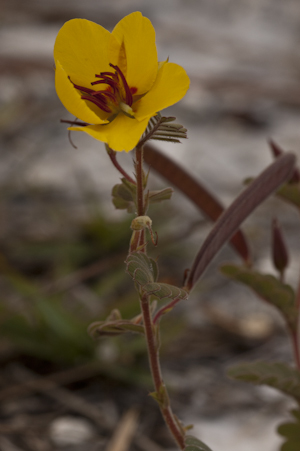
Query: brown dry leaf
[(124, 432)]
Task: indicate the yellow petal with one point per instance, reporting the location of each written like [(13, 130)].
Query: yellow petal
[(81, 47), (71, 98), (136, 35), (123, 133), (170, 86)]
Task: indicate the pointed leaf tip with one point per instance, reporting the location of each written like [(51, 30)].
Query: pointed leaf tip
[(227, 224), (194, 444)]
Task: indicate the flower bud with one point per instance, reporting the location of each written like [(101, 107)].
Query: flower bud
[(141, 222), (279, 248)]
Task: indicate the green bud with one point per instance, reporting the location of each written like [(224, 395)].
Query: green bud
[(141, 222)]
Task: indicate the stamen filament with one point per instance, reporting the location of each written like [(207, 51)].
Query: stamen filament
[(103, 106), (116, 97), (128, 94)]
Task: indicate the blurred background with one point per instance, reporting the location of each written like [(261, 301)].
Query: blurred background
[(63, 245)]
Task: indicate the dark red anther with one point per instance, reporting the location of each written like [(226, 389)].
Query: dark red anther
[(82, 88), (98, 102), (109, 98), (128, 94)]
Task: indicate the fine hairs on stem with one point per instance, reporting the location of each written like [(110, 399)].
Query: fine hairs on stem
[(151, 330)]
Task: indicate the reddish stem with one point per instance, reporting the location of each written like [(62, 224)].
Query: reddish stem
[(139, 181), (151, 342), (164, 309), (153, 353), (112, 156), (296, 347), (150, 332), (81, 124)]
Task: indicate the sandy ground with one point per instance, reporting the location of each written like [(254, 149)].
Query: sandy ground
[(243, 62)]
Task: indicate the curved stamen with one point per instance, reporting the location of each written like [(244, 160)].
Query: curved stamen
[(102, 105), (117, 96), (108, 94), (128, 94)]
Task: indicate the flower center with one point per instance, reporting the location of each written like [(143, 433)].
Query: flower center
[(116, 97)]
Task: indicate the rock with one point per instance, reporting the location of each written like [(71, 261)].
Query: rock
[(66, 431)]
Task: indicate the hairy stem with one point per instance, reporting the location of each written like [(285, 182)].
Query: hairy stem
[(112, 156), (150, 331), (139, 180), (165, 309), (160, 388)]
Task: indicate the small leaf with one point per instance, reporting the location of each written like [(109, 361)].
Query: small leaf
[(163, 128), (142, 268), (268, 288), (144, 272), (274, 374), (291, 431), (159, 196), (194, 444), (113, 328), (124, 196), (161, 397), (165, 291)]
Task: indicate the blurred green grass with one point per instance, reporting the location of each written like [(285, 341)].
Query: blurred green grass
[(54, 286)]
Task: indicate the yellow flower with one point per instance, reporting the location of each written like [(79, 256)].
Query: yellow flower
[(113, 82)]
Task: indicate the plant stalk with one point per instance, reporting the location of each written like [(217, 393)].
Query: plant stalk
[(150, 332), (296, 347), (160, 388), (113, 158), (139, 180)]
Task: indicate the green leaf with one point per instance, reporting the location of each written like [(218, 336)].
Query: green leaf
[(194, 444), (268, 288), (142, 268), (165, 291), (274, 374), (159, 196), (124, 195), (113, 328), (290, 192), (291, 431), (144, 272), (161, 397)]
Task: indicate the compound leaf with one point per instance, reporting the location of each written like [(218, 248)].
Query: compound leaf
[(194, 444), (268, 288), (144, 272), (274, 374)]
